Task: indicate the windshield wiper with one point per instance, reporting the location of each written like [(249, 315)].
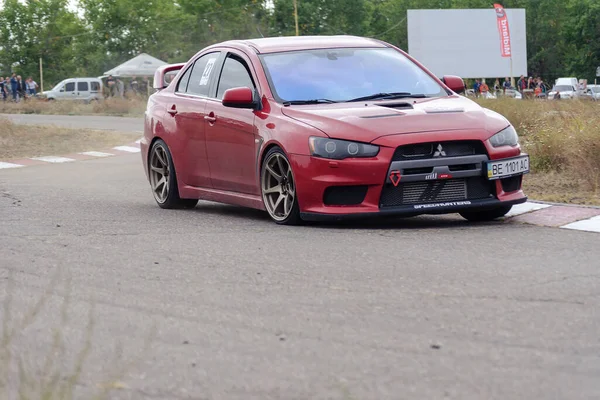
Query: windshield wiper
[(388, 96), (311, 101)]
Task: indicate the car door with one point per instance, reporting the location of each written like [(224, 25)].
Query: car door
[(95, 89), (230, 132), (187, 107), (83, 89), (67, 92)]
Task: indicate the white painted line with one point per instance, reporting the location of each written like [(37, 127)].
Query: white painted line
[(129, 149), (526, 207), (4, 165), (96, 154), (590, 225), (53, 159)]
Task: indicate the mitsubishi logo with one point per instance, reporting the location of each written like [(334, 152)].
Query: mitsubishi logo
[(440, 151)]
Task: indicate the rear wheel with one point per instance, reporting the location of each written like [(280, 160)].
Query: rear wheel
[(278, 188), (163, 180), (486, 215)]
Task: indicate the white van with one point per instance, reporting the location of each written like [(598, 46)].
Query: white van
[(83, 89), (568, 88)]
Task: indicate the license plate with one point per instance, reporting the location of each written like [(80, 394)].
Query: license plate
[(507, 167)]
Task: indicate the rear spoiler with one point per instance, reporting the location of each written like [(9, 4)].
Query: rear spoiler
[(159, 75)]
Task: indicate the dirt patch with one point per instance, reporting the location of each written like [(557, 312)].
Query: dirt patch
[(559, 188), (19, 141)]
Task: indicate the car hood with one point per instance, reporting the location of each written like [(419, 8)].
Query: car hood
[(368, 121)]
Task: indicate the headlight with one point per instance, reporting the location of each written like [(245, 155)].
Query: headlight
[(340, 149), (506, 137)]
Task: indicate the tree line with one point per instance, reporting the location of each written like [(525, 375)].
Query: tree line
[(563, 36)]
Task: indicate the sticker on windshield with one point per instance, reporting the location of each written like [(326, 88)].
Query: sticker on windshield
[(207, 71)]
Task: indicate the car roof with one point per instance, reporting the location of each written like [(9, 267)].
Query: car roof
[(290, 43)]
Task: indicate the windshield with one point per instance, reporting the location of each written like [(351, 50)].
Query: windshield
[(345, 74), (58, 85), (563, 88)]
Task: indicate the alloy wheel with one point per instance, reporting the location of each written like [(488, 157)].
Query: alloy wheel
[(159, 173), (278, 187)]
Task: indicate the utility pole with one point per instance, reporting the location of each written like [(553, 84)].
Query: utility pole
[(296, 15), (41, 76)]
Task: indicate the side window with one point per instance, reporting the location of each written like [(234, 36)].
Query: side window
[(234, 74), (183, 82), (95, 86), (201, 73), (70, 87), (82, 86)]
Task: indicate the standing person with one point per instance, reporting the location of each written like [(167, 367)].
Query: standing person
[(22, 87), (506, 85), (522, 84), (120, 87), (110, 82), (476, 87), (14, 86), (3, 88), (31, 86), (484, 88)]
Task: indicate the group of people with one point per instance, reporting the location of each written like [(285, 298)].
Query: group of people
[(116, 87), (16, 88), (537, 85)]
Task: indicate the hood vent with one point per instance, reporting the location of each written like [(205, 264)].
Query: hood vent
[(397, 106)]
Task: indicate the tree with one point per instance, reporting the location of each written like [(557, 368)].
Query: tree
[(38, 28)]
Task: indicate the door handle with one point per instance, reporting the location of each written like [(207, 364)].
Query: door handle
[(210, 118), (173, 110)]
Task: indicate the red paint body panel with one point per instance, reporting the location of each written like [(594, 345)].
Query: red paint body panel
[(217, 150)]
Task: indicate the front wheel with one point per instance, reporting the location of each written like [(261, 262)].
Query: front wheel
[(163, 180), (278, 188), (486, 215)]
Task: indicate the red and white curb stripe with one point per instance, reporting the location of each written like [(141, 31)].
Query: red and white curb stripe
[(86, 155), (565, 216)]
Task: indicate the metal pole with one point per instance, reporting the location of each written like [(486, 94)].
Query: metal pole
[(512, 79), (41, 76), (296, 15)]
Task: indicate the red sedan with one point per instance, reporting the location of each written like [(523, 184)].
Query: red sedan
[(318, 128)]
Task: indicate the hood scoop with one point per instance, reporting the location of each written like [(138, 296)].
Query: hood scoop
[(394, 106), (397, 106)]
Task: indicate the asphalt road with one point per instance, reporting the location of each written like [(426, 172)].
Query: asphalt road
[(120, 124), (220, 303)]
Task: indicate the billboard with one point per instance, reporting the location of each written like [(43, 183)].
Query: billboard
[(471, 43)]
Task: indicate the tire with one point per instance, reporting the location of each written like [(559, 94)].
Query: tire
[(160, 165), (486, 215), (278, 188)]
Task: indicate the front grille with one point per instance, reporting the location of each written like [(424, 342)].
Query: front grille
[(444, 190), (420, 151), (344, 195)]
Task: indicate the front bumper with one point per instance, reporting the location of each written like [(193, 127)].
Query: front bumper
[(411, 211), (446, 187)]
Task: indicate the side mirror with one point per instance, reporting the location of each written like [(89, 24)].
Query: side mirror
[(454, 83), (240, 97)]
